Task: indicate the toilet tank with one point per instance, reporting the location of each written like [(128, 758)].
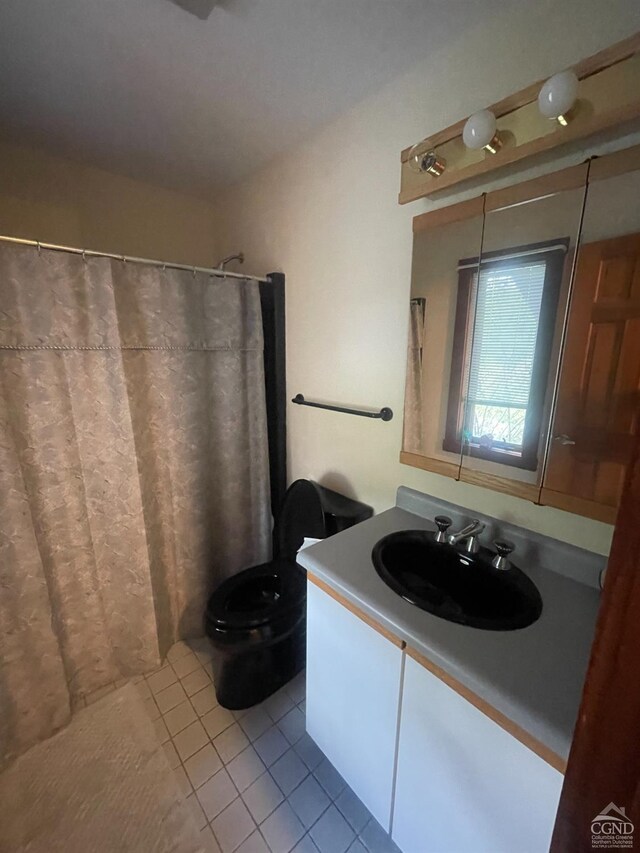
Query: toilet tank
[(341, 512)]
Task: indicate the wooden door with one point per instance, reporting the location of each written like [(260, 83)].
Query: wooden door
[(604, 762), (599, 382)]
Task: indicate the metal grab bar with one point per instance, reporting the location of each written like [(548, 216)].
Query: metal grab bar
[(384, 414)]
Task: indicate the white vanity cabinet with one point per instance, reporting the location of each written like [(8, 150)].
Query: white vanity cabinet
[(353, 692), (463, 784)]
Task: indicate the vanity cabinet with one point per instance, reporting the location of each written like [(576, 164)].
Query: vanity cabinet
[(353, 692), (463, 783)]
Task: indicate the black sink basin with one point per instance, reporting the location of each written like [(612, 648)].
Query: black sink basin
[(445, 581)]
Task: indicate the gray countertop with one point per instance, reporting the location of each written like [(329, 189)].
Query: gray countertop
[(533, 675)]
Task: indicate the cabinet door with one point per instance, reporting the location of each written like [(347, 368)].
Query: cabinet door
[(353, 694), (464, 785)]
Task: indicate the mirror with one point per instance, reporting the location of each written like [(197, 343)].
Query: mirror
[(597, 397), (432, 319), (523, 364)]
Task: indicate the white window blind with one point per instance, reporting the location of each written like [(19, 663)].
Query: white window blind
[(505, 331)]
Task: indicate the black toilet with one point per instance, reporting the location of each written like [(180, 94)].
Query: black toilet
[(256, 620)]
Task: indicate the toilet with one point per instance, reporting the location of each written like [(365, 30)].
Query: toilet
[(256, 620)]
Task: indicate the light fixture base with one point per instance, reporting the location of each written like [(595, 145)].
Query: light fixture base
[(494, 145)]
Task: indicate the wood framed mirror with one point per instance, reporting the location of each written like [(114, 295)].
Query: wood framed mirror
[(523, 364)]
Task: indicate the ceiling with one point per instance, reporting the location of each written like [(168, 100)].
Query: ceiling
[(142, 88)]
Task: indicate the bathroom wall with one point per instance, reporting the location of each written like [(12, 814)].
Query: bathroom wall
[(47, 198), (327, 215)]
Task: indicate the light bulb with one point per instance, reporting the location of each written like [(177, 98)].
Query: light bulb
[(558, 95), (422, 159), (480, 132)]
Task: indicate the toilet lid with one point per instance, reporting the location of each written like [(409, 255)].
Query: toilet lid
[(257, 595), (301, 515)]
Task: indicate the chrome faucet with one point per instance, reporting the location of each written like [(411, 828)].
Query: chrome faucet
[(469, 535)]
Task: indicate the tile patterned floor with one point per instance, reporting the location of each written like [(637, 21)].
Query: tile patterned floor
[(255, 780)]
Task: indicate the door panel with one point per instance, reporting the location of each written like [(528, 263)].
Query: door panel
[(464, 785), (353, 696)]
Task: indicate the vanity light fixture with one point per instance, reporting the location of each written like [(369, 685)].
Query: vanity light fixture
[(558, 95), (480, 131), (423, 160)]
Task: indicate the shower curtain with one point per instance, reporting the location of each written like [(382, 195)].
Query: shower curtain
[(412, 438), (133, 465)]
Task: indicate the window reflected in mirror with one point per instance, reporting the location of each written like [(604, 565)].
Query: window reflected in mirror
[(503, 335)]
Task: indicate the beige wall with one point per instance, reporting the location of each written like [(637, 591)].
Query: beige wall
[(54, 200), (327, 215)]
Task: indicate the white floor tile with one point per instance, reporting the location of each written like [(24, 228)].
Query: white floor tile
[(231, 742), (170, 697), (217, 720), (292, 725), (306, 845), (329, 778), (309, 752), (186, 665), (309, 801), (216, 794), (289, 771), (232, 826), (180, 717), (208, 841), (245, 768), (177, 651), (255, 843), (204, 700), (202, 765), (256, 722), (278, 704), (355, 811), (190, 740), (271, 745), (282, 829), (195, 681), (332, 833), (161, 679), (297, 688), (262, 797), (376, 840)]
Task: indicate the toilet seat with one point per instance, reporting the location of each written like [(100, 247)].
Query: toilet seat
[(274, 592), (257, 596)]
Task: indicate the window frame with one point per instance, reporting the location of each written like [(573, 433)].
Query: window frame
[(554, 257)]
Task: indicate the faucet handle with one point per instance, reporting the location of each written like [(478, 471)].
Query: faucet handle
[(443, 523), (503, 549)]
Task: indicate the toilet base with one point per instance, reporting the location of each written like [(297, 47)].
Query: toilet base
[(245, 678)]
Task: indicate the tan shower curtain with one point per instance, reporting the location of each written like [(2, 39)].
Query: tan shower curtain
[(412, 438), (133, 465)]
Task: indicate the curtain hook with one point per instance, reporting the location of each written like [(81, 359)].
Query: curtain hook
[(194, 272), (39, 247), (84, 256), (124, 259)]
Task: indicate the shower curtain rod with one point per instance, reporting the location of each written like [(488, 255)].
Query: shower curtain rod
[(90, 253)]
